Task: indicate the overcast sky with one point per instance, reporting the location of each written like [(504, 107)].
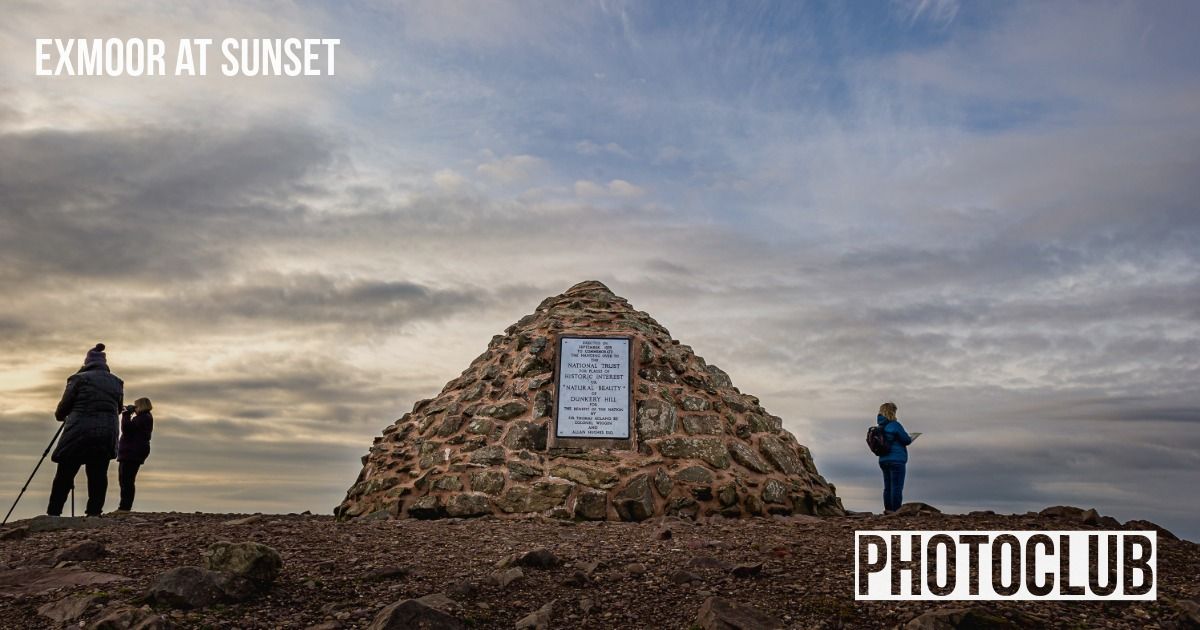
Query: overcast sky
[(987, 213)]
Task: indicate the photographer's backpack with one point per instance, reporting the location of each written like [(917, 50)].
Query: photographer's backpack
[(876, 441)]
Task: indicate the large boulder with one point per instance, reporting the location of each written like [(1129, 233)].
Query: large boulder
[(487, 481), (695, 474), (1148, 526), (506, 411), (916, 508), (586, 475), (719, 613), (15, 533), (636, 501), (428, 506), (655, 418), (537, 497), (68, 608), (431, 612), (195, 587), (745, 456), (120, 616), (538, 619), (703, 425), (780, 455), (35, 580), (774, 492), (591, 505), (469, 504), (45, 523), (526, 435), (711, 450), (251, 560), (81, 551)]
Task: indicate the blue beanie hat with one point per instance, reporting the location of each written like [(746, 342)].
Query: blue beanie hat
[(95, 356)]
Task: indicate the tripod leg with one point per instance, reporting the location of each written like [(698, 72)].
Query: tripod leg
[(35, 469)]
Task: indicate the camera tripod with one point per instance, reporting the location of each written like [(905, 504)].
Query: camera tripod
[(35, 469)]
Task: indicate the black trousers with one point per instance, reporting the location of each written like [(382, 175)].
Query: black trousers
[(127, 473), (64, 480)]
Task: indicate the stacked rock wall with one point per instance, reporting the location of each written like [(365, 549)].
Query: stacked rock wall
[(700, 447)]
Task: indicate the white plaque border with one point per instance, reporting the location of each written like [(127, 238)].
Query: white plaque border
[(574, 441)]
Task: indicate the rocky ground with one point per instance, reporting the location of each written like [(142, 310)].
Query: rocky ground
[(655, 574)]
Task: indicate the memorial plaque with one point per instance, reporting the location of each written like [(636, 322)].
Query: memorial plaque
[(593, 388)]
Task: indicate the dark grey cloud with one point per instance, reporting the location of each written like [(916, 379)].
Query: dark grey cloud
[(322, 391), (27, 429), (151, 202), (1094, 407), (315, 299), (12, 326)]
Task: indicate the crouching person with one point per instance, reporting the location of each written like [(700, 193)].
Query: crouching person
[(136, 426)]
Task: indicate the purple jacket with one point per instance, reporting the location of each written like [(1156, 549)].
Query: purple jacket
[(134, 446)]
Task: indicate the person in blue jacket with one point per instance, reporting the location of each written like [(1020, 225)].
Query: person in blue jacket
[(895, 460)]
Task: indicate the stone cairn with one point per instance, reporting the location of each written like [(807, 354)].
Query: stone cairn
[(699, 446)]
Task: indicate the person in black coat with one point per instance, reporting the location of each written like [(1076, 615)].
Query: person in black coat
[(136, 426), (89, 407)]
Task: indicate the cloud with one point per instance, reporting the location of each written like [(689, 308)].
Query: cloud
[(617, 188), (450, 181), (938, 12), (148, 202), (497, 25), (587, 147), (511, 169), (668, 155), (304, 300)]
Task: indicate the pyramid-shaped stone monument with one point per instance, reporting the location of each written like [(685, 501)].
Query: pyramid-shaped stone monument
[(588, 409)]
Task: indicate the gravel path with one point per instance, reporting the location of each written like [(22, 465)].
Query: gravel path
[(612, 575)]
